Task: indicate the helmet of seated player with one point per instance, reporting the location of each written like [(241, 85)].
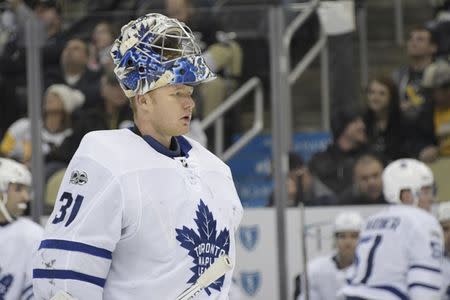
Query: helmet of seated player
[(348, 221), (11, 172), (153, 51), (406, 174)]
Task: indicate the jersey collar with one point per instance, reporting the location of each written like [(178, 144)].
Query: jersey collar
[(180, 147)]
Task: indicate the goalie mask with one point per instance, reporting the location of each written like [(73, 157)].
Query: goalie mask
[(11, 172), (153, 51), (406, 174)]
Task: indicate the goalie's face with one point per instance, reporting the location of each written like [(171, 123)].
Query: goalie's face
[(169, 110)]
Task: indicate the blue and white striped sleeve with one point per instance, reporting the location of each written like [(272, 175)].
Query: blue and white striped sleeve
[(424, 276), (27, 293), (81, 234), (35, 235)]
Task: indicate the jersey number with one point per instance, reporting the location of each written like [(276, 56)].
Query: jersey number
[(63, 210), (376, 241), (436, 250)]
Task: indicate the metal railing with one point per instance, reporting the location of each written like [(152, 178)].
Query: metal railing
[(216, 118), (361, 23), (398, 21), (318, 48), (34, 95), (282, 79)]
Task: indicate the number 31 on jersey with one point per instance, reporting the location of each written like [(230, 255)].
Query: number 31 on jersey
[(69, 208)]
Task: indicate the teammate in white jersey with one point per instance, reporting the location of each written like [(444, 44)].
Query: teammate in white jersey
[(444, 219), (327, 274), (399, 254), (19, 237), (142, 212)]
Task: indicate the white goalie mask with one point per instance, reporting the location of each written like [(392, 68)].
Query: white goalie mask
[(11, 172), (153, 51), (406, 174)]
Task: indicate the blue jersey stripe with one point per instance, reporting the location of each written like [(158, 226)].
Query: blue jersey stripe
[(392, 290), (68, 274), (75, 246), (425, 268), (423, 285), (30, 297)]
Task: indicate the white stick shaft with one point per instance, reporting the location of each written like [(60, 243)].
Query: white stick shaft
[(61, 295), (220, 266)]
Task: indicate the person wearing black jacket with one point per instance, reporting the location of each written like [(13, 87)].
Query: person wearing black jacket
[(367, 187), (75, 73), (383, 120), (334, 166)]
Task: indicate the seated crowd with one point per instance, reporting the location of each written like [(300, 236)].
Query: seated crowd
[(406, 114)]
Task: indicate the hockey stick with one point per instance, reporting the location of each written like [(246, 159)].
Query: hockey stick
[(304, 249), (220, 266), (61, 295)]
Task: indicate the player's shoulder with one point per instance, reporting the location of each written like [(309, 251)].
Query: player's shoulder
[(321, 263), (207, 158), (415, 214), (108, 146), (27, 229), (417, 219), (105, 138)]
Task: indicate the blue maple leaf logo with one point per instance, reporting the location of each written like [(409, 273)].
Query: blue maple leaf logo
[(205, 246), (5, 283)]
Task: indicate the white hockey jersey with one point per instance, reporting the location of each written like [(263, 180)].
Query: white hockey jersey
[(324, 279), (19, 240), (134, 222), (446, 276), (399, 256)]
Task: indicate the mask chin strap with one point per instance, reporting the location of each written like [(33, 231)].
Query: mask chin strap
[(3, 208)]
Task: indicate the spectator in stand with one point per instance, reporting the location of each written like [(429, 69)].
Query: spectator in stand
[(440, 7), (440, 26), (334, 166), (75, 73), (13, 57), (437, 82), (114, 112), (367, 185), (59, 103), (384, 126), (48, 15), (302, 186), (101, 43), (416, 109)]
